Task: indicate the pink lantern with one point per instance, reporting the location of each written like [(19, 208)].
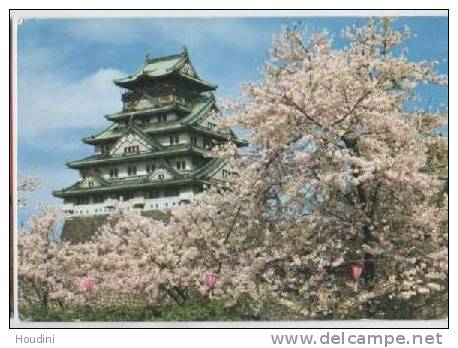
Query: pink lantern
[(88, 283), (357, 270), (210, 281)]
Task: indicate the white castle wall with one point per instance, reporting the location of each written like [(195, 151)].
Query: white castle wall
[(141, 168), (107, 206), (164, 139)]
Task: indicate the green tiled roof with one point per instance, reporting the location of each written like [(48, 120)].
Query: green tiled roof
[(199, 110), (208, 169), (218, 135), (172, 150), (156, 67), (122, 186), (160, 67), (196, 176), (148, 111), (110, 133), (115, 130), (74, 190), (151, 141)]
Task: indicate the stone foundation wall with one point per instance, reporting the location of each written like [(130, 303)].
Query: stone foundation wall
[(82, 228)]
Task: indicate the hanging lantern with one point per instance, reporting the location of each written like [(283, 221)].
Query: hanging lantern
[(357, 270), (210, 281), (88, 283)]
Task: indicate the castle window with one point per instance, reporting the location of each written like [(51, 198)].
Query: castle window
[(98, 198), (150, 168), (162, 118), (125, 196), (152, 194), (206, 142), (113, 173), (131, 149), (181, 165), (171, 192), (131, 170), (82, 200), (174, 139), (194, 140), (105, 149)]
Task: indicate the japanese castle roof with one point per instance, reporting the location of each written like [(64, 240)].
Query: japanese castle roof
[(173, 150), (165, 66), (199, 110), (200, 175), (147, 111)]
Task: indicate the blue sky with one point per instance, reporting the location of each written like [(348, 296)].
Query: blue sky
[(66, 67)]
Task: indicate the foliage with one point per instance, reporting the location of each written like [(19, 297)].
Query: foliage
[(42, 261), (197, 308), (26, 185), (344, 164)]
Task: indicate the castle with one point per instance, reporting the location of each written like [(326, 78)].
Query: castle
[(156, 154)]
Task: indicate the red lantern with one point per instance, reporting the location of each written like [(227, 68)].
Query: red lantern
[(88, 283), (210, 281), (357, 270)]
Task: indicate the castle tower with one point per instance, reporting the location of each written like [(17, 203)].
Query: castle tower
[(156, 154)]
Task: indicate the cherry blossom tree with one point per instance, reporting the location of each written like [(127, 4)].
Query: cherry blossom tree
[(131, 255), (42, 262), (343, 166), (26, 185), (337, 177)]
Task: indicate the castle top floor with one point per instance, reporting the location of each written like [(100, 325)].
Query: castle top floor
[(172, 72)]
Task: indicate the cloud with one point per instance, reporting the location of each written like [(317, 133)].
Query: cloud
[(50, 103), (237, 33), (52, 93)]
